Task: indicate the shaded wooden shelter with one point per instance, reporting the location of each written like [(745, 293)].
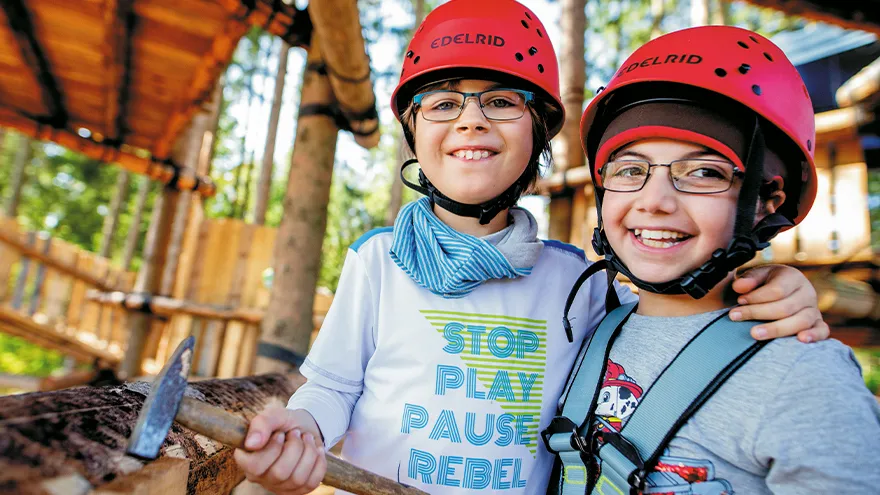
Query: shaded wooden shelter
[(119, 80)]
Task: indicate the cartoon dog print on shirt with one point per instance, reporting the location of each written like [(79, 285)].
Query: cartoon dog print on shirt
[(618, 399)]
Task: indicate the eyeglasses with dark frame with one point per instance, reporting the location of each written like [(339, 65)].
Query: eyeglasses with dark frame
[(498, 104), (692, 176)]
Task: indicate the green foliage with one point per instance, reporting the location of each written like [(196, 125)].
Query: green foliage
[(20, 357), (870, 361)]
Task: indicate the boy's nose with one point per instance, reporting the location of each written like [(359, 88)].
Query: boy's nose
[(472, 117), (658, 195)]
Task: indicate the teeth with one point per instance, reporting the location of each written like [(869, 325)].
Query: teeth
[(658, 234), (658, 244), (471, 154)]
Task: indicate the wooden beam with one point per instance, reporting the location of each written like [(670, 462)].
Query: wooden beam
[(132, 159), (119, 22), (292, 25), (849, 14), (860, 87), (22, 26), (337, 24), (85, 430), (202, 84)]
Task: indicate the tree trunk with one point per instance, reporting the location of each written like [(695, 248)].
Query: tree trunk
[(396, 196), (658, 12), (83, 432), (16, 181), (297, 255), (721, 13), (134, 230), (699, 12), (567, 146), (111, 221), (264, 186)]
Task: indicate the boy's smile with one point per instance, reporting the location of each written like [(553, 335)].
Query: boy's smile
[(659, 232)]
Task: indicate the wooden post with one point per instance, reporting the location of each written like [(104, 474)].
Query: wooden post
[(297, 254), (337, 24), (111, 221), (149, 278), (16, 181), (134, 230), (264, 186), (567, 147)]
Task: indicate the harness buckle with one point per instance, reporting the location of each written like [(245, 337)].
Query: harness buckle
[(561, 424)]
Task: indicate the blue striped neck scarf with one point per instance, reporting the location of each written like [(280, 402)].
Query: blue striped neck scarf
[(449, 263)]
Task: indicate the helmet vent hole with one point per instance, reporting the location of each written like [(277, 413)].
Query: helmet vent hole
[(519, 57), (416, 60), (533, 51), (806, 93), (540, 35), (409, 54), (756, 89), (754, 39), (720, 72), (744, 68), (768, 57), (540, 68), (528, 16), (809, 145), (525, 24), (742, 44)]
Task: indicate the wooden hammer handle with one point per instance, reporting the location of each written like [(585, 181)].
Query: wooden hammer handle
[(225, 427)]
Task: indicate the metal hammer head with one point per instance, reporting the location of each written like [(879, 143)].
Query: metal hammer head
[(161, 405)]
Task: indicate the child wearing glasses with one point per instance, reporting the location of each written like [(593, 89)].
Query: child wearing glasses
[(443, 355), (697, 167)]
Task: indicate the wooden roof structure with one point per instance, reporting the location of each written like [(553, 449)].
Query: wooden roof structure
[(119, 80), (850, 14)]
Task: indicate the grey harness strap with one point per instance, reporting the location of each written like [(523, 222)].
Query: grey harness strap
[(701, 367)]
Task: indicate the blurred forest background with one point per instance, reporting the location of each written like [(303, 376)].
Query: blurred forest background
[(70, 197)]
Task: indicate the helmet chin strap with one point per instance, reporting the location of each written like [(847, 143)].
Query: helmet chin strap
[(748, 238), (484, 212)]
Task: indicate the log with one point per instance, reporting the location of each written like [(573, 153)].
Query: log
[(337, 24), (128, 158), (84, 431), (860, 87), (841, 14)]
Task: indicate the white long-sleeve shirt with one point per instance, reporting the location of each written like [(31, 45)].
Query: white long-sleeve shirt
[(447, 395)]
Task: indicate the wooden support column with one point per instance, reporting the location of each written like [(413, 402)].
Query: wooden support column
[(111, 221), (264, 186), (131, 240), (567, 146), (337, 24), (149, 278), (297, 254)]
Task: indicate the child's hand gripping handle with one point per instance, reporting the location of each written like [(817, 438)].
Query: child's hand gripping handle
[(225, 427)]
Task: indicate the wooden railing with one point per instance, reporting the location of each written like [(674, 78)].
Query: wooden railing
[(43, 284)]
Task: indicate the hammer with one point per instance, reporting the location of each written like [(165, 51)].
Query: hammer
[(166, 403)]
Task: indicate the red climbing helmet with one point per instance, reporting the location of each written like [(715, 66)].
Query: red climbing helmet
[(732, 62), (495, 35)]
